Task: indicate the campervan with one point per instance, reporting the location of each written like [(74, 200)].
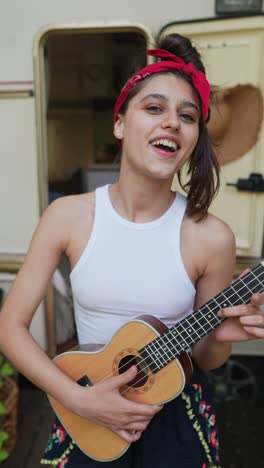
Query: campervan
[(62, 65)]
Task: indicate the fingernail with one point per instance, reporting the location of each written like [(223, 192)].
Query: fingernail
[(220, 313), (248, 329), (256, 297)]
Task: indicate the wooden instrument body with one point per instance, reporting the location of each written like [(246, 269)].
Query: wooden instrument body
[(99, 362)]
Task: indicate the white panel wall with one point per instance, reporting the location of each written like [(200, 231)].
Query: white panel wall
[(20, 21)]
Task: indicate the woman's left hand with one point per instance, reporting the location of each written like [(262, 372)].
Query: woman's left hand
[(245, 321)]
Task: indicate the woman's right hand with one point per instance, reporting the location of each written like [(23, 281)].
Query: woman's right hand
[(104, 404)]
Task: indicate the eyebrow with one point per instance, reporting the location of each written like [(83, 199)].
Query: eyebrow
[(155, 96), (190, 104), (164, 98)]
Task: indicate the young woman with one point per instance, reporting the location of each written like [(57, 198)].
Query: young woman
[(137, 247)]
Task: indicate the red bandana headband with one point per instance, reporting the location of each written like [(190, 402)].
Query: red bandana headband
[(173, 63)]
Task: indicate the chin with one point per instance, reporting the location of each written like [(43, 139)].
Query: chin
[(162, 172), (162, 175)]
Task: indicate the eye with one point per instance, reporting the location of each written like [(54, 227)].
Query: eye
[(188, 117), (153, 108)]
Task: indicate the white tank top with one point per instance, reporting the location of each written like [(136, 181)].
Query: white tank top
[(128, 269)]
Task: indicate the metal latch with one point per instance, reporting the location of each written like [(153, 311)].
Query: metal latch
[(254, 183)]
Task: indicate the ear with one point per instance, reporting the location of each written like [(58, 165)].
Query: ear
[(118, 128)]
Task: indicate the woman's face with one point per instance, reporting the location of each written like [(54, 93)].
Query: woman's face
[(160, 127)]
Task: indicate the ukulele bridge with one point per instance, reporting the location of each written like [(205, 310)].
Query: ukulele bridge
[(84, 381)]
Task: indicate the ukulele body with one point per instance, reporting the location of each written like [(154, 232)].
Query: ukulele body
[(94, 363)]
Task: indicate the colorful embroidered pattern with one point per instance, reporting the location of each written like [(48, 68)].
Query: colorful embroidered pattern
[(58, 441), (209, 442), (206, 412)]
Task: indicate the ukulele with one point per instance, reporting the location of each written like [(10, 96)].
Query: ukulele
[(160, 354)]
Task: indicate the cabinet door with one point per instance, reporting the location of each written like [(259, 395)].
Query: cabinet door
[(232, 51), (19, 200)]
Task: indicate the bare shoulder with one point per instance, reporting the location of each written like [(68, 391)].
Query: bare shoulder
[(206, 245), (76, 217), (71, 207), (215, 234), (211, 232), (63, 217)]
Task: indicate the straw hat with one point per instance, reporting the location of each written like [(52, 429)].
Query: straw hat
[(235, 120)]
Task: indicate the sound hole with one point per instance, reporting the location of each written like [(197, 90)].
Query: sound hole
[(143, 371)]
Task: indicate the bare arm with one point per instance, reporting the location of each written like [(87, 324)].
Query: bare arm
[(244, 322), (102, 402), (49, 241), (218, 273)]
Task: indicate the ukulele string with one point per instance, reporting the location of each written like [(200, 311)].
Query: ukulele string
[(157, 367)]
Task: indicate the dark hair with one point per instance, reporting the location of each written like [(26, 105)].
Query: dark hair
[(203, 167)]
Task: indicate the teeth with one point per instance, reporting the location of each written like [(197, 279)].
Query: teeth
[(170, 144)]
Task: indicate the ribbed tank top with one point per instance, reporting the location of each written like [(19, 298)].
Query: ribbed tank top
[(128, 269)]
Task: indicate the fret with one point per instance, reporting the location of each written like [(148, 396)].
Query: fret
[(243, 293), (161, 350), (260, 276), (254, 285), (237, 285), (232, 295), (208, 314), (226, 302), (214, 308), (246, 297), (257, 278), (244, 290), (179, 329), (213, 321), (248, 284), (151, 356), (171, 339), (222, 301), (203, 321), (190, 328), (166, 346), (247, 288), (175, 332), (208, 320), (193, 317), (156, 354), (206, 324), (173, 347), (214, 300)]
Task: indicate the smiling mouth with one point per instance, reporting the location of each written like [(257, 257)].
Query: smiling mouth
[(167, 147)]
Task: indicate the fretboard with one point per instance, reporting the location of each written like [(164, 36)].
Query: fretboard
[(161, 351)]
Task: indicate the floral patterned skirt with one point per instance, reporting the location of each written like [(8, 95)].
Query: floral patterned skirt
[(183, 434)]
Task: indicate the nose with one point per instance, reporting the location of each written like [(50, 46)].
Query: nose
[(171, 120)]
